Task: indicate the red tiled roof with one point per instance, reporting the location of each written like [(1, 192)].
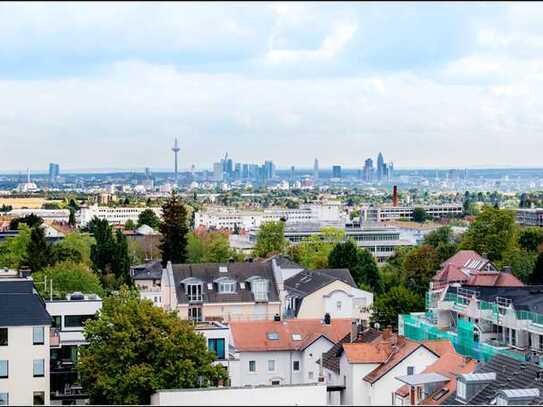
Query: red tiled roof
[(252, 336), (462, 257)]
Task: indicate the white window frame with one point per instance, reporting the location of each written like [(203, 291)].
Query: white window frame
[(41, 331), (227, 287), (38, 363)]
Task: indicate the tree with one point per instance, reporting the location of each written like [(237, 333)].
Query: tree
[(104, 248), (14, 250), (419, 215), (148, 217), (38, 254), (530, 238), (522, 263), (313, 251), (135, 348), (76, 242), (399, 300), (442, 241), (419, 266), (537, 275), (174, 231), (6, 208), (493, 232), (31, 220), (209, 247), (71, 219), (68, 277), (270, 239), (360, 263), (120, 263), (130, 225)]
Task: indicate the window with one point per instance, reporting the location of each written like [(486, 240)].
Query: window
[(271, 365), (260, 289), (57, 321), (217, 346), (252, 366), (39, 367), (272, 336), (194, 292), (296, 365), (410, 370), (227, 287), (76, 321), (461, 389), (338, 305), (38, 335), (39, 398), (276, 382), (195, 314), (4, 370), (296, 337), (3, 337), (4, 399)]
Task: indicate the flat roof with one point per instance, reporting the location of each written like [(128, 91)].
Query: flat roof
[(521, 393), (423, 378)]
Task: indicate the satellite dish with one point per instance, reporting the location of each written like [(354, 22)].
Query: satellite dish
[(377, 325)]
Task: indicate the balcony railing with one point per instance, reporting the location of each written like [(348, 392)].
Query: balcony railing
[(54, 338)]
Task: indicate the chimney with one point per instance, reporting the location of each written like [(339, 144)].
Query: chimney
[(354, 331), (277, 318), (395, 195), (327, 319)]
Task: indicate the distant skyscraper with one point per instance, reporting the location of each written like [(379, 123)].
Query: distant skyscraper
[(269, 170), (390, 171), (380, 167), (316, 169), (292, 172), (368, 170), (147, 172), (218, 171), (336, 171), (54, 170), (176, 150)]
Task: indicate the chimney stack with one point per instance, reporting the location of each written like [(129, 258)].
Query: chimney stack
[(395, 195), (354, 331)]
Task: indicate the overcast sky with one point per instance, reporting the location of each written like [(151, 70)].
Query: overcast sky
[(92, 85)]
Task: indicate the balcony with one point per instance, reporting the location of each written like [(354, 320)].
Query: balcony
[(195, 298), (54, 338)]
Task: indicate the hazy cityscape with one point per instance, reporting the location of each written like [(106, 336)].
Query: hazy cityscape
[(287, 203)]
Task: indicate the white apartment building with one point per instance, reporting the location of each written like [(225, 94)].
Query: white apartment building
[(530, 216), (283, 352), (24, 344), (115, 216), (59, 215), (387, 213), (228, 218)]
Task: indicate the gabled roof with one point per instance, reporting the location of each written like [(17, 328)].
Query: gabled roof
[(283, 261), (149, 271), (308, 281), (292, 334), (21, 305)]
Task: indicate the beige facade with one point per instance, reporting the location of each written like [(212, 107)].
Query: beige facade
[(234, 311)]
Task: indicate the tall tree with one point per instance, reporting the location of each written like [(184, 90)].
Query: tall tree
[(419, 215), (399, 300), (313, 251), (120, 263), (270, 239), (31, 220), (530, 238), (148, 217), (103, 250), (442, 241), (71, 218), (493, 232), (174, 229), (136, 349), (38, 253), (537, 275), (420, 265), (14, 250)]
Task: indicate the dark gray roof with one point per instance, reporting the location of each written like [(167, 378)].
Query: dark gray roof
[(21, 305), (283, 261), (239, 272), (330, 359), (149, 271), (308, 281), (528, 298), (510, 374)]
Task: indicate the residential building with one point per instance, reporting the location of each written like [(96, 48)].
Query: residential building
[(115, 216), (530, 216), (310, 294), (366, 372), (313, 394), (148, 280), (501, 381), (221, 292), (385, 213), (68, 317), (282, 352), (24, 344)]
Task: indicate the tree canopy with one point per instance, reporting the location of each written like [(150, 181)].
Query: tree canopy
[(31, 220), (135, 348), (68, 277), (398, 300), (270, 238), (148, 217), (174, 230), (210, 247)]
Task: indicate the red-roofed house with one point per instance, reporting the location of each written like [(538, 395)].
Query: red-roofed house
[(282, 352), (368, 371)]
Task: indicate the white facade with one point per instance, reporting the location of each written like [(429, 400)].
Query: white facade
[(22, 355), (387, 213), (299, 395), (59, 215), (115, 216)]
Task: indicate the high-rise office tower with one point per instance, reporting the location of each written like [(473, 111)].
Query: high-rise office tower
[(218, 171), (245, 171), (336, 171), (316, 169), (269, 170), (390, 171), (237, 171), (54, 170), (292, 172), (380, 167), (176, 150), (147, 172), (368, 170)]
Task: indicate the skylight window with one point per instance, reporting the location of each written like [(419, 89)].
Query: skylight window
[(223, 269), (296, 337), (273, 336)]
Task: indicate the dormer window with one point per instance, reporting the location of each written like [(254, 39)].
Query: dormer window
[(227, 287), (260, 288)]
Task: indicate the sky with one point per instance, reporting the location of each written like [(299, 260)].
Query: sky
[(110, 85)]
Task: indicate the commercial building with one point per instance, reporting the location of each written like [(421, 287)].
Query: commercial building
[(24, 344), (115, 216), (530, 217), (336, 171), (54, 172), (56, 215), (387, 213)]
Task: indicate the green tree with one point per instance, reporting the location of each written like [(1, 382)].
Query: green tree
[(135, 348), (130, 225), (530, 238), (270, 239), (419, 266), (313, 251), (148, 217), (493, 232), (398, 300), (419, 215), (522, 263), (14, 250), (78, 243), (537, 275), (174, 229), (68, 277), (31, 220), (71, 218), (442, 241), (120, 263), (104, 248), (38, 254), (209, 247)]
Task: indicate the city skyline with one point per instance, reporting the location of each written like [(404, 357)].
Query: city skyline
[(435, 86)]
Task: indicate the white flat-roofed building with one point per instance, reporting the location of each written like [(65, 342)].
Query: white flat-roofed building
[(387, 213), (59, 215), (530, 217), (115, 216)]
